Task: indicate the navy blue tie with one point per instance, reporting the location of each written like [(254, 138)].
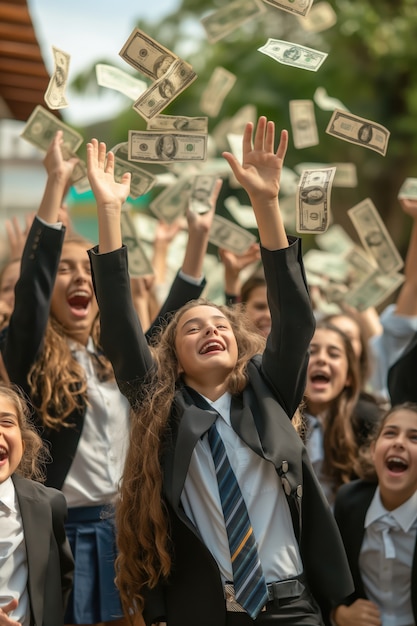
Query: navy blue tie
[(248, 579)]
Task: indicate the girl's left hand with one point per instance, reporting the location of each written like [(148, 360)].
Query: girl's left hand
[(100, 170)]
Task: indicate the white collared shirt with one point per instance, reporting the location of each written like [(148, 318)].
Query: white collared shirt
[(386, 558), (94, 475), (263, 494), (13, 560)]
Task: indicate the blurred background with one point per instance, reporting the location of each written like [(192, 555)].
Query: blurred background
[(371, 68)]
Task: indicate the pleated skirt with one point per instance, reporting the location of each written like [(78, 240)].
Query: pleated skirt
[(91, 534)]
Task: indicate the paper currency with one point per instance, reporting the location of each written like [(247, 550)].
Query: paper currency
[(345, 176), (293, 54), (299, 7), (139, 264), (408, 189), (313, 200), (164, 90), (373, 290), (303, 124), (335, 240), (375, 237), (219, 85), (242, 214), (359, 131), (146, 55), (361, 265), (115, 78), (172, 202), (152, 146), (55, 92), (326, 102), (222, 22), (79, 172), (225, 234), (141, 180), (201, 192), (326, 264), (41, 128), (179, 122), (321, 17)]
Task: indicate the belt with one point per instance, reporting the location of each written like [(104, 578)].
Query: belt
[(277, 591)]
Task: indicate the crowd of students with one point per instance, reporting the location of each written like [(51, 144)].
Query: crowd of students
[(210, 465)]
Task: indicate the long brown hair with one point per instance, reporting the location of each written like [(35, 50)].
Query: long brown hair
[(145, 553), (35, 454), (57, 381), (340, 462)]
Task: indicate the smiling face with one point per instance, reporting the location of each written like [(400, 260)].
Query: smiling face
[(257, 310), (73, 301), (328, 368), (11, 444), (394, 454), (206, 349)]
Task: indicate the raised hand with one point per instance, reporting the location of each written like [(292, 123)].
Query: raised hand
[(202, 221), (260, 171), (100, 171), (55, 163)]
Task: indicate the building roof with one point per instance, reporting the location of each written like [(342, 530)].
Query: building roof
[(23, 75)]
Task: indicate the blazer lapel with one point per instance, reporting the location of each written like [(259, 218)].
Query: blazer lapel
[(242, 421), (194, 423), (37, 530)]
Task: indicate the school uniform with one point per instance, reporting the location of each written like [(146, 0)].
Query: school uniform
[(194, 593), (90, 524), (48, 564), (352, 503), (402, 375)]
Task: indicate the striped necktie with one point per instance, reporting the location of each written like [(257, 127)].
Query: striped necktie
[(248, 579)]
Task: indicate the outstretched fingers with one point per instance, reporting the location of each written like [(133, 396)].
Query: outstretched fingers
[(259, 141), (283, 145)]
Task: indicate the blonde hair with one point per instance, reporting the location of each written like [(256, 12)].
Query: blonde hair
[(142, 525), (35, 453)]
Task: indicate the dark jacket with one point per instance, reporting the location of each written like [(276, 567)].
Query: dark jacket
[(260, 415)]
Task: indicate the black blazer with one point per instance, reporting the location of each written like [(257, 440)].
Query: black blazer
[(49, 558), (260, 415), (351, 505), (25, 335), (402, 374)]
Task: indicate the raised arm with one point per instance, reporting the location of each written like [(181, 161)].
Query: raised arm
[(260, 174)]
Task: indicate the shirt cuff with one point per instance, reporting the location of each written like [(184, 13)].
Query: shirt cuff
[(190, 279)]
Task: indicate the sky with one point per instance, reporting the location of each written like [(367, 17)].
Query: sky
[(90, 30)]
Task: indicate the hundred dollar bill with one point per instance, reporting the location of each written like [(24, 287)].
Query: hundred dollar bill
[(115, 78), (408, 189), (321, 17), (326, 102), (139, 264), (173, 201), (303, 124), (293, 54), (374, 290), (201, 192), (146, 55), (219, 85), (375, 237), (358, 130), (346, 175), (299, 7), (164, 90), (79, 172), (179, 122), (313, 200), (41, 128), (222, 22), (141, 180), (55, 92), (152, 146), (228, 235)]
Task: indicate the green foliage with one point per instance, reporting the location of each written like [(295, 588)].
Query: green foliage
[(371, 68)]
